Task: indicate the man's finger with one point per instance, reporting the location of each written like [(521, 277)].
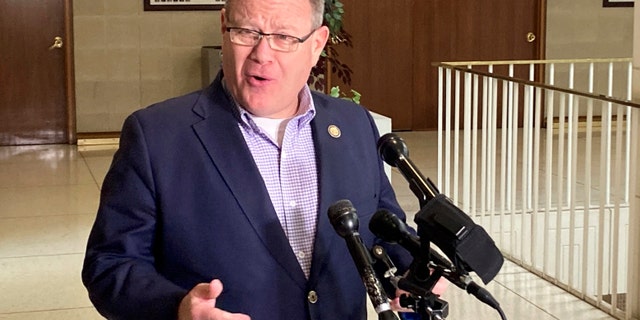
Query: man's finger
[(215, 288), (220, 314)]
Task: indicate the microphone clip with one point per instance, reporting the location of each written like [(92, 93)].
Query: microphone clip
[(420, 297)]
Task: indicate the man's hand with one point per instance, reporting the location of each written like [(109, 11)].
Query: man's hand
[(200, 304), (439, 288)]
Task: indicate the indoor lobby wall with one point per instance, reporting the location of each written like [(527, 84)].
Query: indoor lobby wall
[(586, 29), (127, 58), (634, 222)]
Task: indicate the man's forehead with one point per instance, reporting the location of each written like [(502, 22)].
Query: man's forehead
[(261, 15)]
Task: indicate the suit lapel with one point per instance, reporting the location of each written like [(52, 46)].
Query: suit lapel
[(221, 137), (328, 149)]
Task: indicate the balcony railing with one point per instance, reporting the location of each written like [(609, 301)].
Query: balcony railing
[(541, 154)]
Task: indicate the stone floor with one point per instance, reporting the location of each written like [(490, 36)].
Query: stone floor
[(49, 195)]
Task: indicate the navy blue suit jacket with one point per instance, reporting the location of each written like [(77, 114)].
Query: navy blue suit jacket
[(184, 203)]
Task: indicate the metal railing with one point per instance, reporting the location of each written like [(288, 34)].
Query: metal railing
[(546, 168)]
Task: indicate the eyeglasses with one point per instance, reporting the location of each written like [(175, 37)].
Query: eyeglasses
[(279, 42)]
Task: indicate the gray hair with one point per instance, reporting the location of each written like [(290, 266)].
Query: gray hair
[(317, 11)]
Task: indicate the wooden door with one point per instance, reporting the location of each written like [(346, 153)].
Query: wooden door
[(36, 77), (381, 56), (395, 44)]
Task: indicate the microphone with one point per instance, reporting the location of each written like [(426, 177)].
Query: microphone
[(344, 218), (466, 244), (388, 227), (394, 152)]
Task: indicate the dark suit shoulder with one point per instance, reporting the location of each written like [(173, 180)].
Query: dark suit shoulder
[(320, 98), (171, 107), (337, 107)]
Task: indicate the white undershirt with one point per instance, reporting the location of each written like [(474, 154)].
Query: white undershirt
[(273, 128)]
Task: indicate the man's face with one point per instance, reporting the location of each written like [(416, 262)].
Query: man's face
[(264, 81)]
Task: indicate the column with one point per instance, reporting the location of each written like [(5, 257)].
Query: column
[(633, 298)]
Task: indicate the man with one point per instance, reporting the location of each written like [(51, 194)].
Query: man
[(232, 185)]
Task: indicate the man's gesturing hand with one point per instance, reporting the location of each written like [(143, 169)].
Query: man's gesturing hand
[(200, 304)]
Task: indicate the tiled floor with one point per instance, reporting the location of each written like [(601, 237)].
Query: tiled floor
[(48, 199)]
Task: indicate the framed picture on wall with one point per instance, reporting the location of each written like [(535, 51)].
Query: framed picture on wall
[(170, 5), (617, 3)]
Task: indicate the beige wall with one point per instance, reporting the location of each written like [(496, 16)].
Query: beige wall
[(127, 58), (578, 29), (636, 58), (584, 29), (634, 219)]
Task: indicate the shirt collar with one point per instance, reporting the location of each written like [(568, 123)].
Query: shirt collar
[(306, 109)]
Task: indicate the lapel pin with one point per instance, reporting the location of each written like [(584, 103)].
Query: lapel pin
[(334, 131)]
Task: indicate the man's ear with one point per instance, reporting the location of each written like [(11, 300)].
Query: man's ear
[(320, 38), (223, 22)]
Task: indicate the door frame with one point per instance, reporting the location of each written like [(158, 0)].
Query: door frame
[(69, 67), (422, 114)]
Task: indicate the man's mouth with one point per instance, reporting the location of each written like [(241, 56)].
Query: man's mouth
[(255, 79)]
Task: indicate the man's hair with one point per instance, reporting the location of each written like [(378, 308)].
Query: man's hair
[(317, 11)]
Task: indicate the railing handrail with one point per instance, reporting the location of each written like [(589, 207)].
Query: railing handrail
[(550, 61), (556, 197), (540, 85)]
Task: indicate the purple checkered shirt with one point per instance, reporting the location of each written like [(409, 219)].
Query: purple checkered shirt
[(290, 175)]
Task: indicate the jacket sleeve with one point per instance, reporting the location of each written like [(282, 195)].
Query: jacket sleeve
[(118, 269), (400, 256)]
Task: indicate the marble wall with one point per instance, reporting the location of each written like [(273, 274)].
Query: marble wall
[(127, 58)]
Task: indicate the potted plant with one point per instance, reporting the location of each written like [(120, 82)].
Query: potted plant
[(329, 62)]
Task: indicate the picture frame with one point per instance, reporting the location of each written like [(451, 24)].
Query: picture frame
[(617, 3), (182, 5)]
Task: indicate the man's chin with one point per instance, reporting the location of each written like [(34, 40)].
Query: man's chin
[(260, 109)]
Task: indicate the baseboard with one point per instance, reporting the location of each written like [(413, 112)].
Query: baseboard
[(98, 138)]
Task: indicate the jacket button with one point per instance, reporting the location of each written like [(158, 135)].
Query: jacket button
[(312, 296)]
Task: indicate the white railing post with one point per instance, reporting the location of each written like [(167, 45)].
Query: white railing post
[(466, 151), (567, 223), (456, 138), (570, 141), (474, 149), (633, 279), (484, 142), (549, 170), (447, 145), (441, 81)]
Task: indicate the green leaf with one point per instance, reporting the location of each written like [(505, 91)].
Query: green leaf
[(335, 92), (356, 96)]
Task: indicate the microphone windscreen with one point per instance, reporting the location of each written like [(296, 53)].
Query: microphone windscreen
[(343, 218), (391, 147), (465, 243), (384, 224)]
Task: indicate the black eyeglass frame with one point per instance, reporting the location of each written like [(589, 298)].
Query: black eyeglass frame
[(262, 35)]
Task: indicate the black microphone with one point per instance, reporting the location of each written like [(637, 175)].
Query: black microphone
[(395, 153), (388, 227), (465, 243), (344, 218)]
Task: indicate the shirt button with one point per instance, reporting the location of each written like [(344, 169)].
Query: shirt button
[(301, 254), (292, 203), (312, 296)]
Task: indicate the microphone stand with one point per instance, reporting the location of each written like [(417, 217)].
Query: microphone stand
[(419, 282), (424, 302), (424, 273), (426, 269)]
